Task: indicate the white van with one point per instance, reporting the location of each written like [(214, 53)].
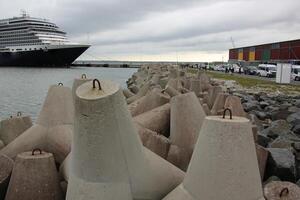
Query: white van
[(266, 70), (295, 75)]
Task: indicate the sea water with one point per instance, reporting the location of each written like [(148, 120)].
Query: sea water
[(24, 89)]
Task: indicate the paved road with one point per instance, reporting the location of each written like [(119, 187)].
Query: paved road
[(258, 77)]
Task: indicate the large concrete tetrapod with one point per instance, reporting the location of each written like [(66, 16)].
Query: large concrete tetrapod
[(53, 129), (157, 119), (12, 127), (142, 92), (108, 160), (77, 82), (224, 163), (187, 116), (153, 99), (6, 167), (219, 103), (34, 177)]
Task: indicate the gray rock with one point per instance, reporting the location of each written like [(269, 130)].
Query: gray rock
[(281, 143), (281, 163), (296, 129), (263, 104), (298, 183), (293, 109), (263, 140), (272, 178), (251, 105), (280, 128), (294, 118), (260, 114)]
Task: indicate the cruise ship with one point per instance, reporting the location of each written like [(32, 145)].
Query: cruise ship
[(28, 41)]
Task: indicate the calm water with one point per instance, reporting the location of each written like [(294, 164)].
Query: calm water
[(24, 89)]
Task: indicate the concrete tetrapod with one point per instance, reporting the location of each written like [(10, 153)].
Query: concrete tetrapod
[(12, 127), (224, 163), (157, 119), (219, 103), (153, 99), (212, 95), (277, 190), (142, 92), (171, 91), (34, 177), (196, 86), (108, 160), (53, 129), (6, 167), (234, 103), (187, 116), (77, 82)]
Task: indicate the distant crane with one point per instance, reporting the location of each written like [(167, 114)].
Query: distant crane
[(232, 42)]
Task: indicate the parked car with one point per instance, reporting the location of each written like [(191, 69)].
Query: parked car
[(250, 70), (295, 75), (267, 70)]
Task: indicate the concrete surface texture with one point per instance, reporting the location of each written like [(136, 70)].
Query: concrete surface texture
[(234, 103), (153, 99), (77, 82), (53, 130), (224, 163), (142, 92), (196, 86), (157, 119), (187, 116), (34, 177), (108, 160), (158, 144), (219, 103), (6, 167), (175, 83), (171, 91), (127, 93), (11, 128), (212, 95), (277, 190)]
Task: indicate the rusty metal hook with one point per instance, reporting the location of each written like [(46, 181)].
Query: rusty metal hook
[(34, 150), (60, 84), (230, 113), (284, 192), (94, 84), (83, 76), (19, 114)]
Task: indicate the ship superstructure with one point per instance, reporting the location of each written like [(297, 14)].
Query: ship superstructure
[(28, 41)]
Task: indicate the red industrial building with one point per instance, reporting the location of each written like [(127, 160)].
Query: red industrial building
[(287, 51)]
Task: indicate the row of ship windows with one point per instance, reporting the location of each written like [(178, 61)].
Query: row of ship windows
[(25, 24), (19, 38), (23, 43), (28, 49)]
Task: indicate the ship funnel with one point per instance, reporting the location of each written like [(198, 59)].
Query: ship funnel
[(224, 163)]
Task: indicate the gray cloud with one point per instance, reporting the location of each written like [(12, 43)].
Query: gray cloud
[(143, 27)]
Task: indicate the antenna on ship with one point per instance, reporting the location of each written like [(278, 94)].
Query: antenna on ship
[(24, 13)]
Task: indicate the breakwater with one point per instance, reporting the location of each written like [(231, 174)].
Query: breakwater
[(169, 135)]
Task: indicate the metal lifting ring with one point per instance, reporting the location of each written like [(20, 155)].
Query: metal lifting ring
[(60, 84), (19, 114), (83, 76), (284, 192), (34, 150), (230, 113), (94, 84)]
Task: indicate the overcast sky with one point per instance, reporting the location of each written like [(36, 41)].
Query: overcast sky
[(187, 30)]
